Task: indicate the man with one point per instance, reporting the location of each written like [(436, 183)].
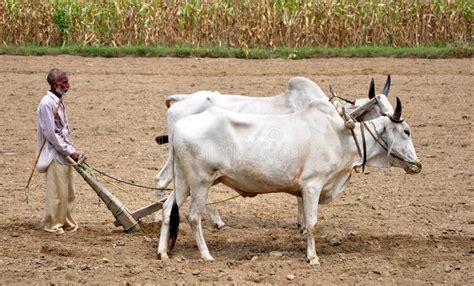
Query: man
[(54, 134)]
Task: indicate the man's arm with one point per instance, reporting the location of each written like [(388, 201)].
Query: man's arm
[(46, 121)]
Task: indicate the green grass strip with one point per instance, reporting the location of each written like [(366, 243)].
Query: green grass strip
[(447, 51)]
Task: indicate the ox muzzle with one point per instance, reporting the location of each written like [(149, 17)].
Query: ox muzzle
[(413, 167)]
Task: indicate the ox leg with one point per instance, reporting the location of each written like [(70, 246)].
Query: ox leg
[(165, 175), (182, 192), (196, 207), (300, 215), (310, 205), (175, 112), (162, 180), (215, 217)]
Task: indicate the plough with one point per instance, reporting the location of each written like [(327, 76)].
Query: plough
[(123, 217)]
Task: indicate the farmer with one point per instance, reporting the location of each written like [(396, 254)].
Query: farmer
[(54, 133)]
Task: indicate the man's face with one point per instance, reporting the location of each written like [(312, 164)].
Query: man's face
[(62, 84)]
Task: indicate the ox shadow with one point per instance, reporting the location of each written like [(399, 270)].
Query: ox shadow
[(241, 247)]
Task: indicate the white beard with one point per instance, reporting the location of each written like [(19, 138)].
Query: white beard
[(61, 91)]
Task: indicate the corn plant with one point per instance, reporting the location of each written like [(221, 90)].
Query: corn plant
[(243, 23)]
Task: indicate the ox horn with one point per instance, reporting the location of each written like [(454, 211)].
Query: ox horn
[(331, 91), (386, 88), (397, 115), (372, 89)]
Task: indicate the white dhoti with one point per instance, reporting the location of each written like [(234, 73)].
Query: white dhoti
[(59, 198)]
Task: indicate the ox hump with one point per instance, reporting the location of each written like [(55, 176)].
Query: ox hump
[(302, 83)]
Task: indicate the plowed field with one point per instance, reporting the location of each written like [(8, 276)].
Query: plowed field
[(386, 228)]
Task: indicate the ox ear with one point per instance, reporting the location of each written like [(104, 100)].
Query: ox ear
[(163, 139), (386, 88), (372, 89), (397, 114)]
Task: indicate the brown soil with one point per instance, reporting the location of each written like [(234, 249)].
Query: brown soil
[(384, 229)]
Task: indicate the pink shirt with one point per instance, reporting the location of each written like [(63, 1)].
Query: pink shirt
[(55, 130)]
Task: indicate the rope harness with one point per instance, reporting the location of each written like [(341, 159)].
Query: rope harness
[(108, 179), (128, 183), (335, 97)]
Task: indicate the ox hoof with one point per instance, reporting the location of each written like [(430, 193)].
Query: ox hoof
[(300, 227), (208, 258), (219, 225), (314, 262), (163, 256)]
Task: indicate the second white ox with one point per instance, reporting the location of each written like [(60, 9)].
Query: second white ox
[(309, 154), (292, 100)]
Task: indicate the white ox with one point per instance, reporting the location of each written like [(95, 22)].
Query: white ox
[(292, 100), (313, 158)]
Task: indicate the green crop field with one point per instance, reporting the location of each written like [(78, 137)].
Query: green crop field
[(216, 28)]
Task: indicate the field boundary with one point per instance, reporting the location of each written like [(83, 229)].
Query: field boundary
[(464, 51)]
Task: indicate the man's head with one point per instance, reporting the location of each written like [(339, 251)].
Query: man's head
[(58, 81)]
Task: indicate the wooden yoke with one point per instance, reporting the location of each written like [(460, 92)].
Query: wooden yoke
[(363, 109)]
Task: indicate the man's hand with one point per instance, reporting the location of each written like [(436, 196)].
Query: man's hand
[(75, 156)]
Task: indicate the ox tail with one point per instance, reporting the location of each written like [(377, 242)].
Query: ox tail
[(174, 226), (174, 217), (162, 139)]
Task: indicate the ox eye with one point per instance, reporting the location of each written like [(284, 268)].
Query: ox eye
[(407, 132)]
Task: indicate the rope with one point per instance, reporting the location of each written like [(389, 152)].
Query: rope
[(128, 183), (102, 176), (125, 190), (224, 200), (346, 117), (343, 99)]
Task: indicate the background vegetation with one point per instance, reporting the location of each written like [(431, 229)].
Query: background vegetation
[(245, 24)]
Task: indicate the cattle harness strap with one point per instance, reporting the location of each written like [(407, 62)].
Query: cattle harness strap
[(346, 117), (364, 145), (335, 97)]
